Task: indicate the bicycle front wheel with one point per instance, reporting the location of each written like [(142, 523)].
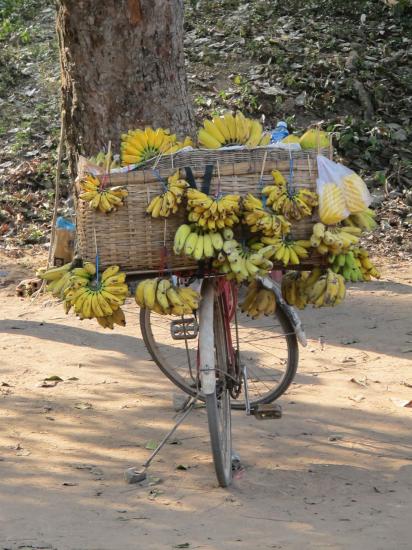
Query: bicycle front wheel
[(218, 403)]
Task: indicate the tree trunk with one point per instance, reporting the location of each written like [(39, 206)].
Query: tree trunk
[(122, 66)]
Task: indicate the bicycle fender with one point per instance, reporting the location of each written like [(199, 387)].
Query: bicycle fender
[(206, 340), (290, 311)]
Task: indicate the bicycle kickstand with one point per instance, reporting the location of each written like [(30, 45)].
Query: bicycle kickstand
[(134, 475)]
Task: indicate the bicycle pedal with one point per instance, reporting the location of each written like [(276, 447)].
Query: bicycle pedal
[(184, 329), (266, 412)]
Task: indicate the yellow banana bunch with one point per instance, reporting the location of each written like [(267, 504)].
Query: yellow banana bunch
[(334, 240), (212, 213), (328, 290), (232, 130), (105, 199), (140, 145), (364, 220), (164, 298), (196, 243), (294, 288), (57, 278), (168, 202), (54, 273), (116, 318), (332, 204), (96, 298), (242, 263), (260, 219), (319, 288), (365, 264), (294, 205), (286, 250), (258, 301)]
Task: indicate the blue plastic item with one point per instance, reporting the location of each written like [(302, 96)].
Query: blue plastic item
[(280, 132), (62, 223)]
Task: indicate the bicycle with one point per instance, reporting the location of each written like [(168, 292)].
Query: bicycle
[(217, 368)]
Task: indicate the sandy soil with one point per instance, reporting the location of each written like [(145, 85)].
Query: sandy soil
[(334, 473)]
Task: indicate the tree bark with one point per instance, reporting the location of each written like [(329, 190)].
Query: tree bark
[(122, 67)]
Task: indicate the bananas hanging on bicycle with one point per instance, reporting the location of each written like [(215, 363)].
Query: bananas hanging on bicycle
[(260, 220), (212, 213), (102, 198), (321, 288), (258, 301), (294, 204), (163, 297), (168, 202)]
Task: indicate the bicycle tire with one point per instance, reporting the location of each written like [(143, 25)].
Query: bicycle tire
[(218, 404)]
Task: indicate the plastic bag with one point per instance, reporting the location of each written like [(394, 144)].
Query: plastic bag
[(332, 203), (356, 193), (63, 246), (341, 191)]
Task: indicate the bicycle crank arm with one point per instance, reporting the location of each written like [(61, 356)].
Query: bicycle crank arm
[(290, 311)]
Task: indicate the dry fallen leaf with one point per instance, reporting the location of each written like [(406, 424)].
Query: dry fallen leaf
[(361, 382), (405, 403)]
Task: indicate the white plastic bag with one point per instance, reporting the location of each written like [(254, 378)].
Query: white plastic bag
[(356, 193), (341, 191), (332, 203)]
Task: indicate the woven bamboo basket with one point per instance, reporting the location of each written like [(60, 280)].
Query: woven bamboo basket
[(140, 244)]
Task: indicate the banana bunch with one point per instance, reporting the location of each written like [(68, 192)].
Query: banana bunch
[(212, 213), (366, 266), (168, 202), (258, 301), (332, 204), (294, 205), (328, 290), (294, 290), (319, 288), (232, 130), (164, 298), (198, 244), (334, 240), (364, 220), (347, 265), (105, 199), (105, 160), (242, 263), (259, 219), (116, 318), (93, 298), (57, 278), (141, 145), (286, 250)]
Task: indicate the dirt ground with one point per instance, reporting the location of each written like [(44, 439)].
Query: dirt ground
[(334, 473)]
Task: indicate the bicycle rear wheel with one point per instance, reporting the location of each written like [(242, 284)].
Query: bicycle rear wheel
[(218, 403)]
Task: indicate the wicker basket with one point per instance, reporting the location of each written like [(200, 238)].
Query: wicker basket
[(139, 244)]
